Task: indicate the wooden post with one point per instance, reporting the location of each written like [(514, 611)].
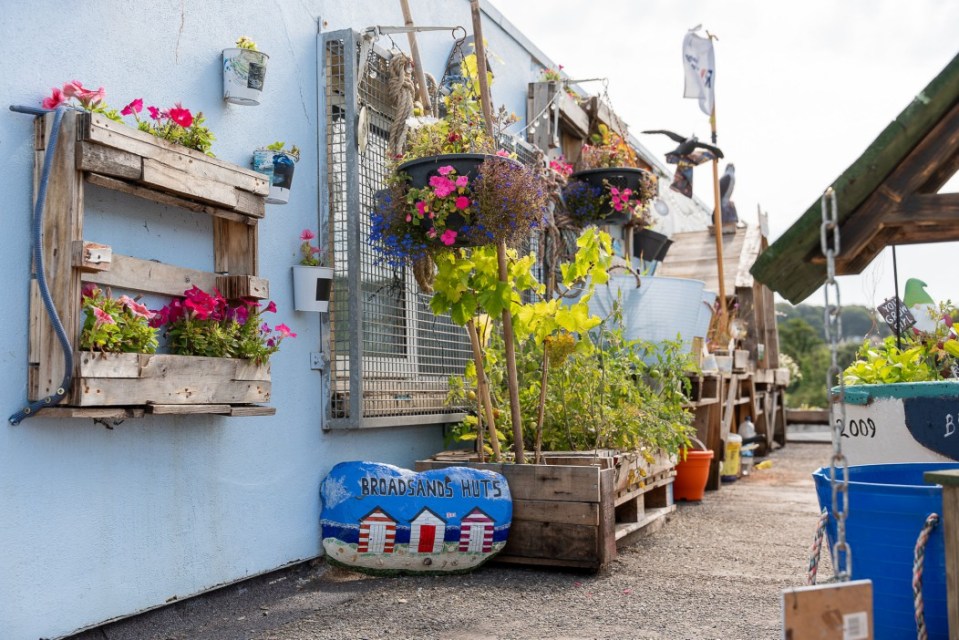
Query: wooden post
[(949, 479), (415, 53), (722, 327), (511, 377)]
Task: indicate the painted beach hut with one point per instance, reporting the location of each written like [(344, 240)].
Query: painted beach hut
[(427, 532), (476, 532), (377, 533)]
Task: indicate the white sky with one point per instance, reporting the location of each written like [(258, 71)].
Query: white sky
[(802, 88)]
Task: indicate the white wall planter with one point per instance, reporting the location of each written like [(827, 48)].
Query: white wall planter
[(244, 72), (311, 288)]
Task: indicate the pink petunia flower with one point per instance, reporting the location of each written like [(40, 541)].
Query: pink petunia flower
[(462, 181), (135, 307), (462, 203), (181, 116), (445, 171), (448, 237), (307, 235), (56, 98), (285, 331), (421, 208), (72, 88), (102, 317), (134, 107), (431, 233), (271, 308), (442, 187), (502, 153), (154, 112), (90, 97)]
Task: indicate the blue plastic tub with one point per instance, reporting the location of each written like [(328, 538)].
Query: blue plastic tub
[(888, 505)]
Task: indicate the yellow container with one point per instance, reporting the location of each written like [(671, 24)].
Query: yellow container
[(731, 460)]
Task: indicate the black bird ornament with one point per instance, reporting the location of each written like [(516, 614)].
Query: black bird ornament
[(690, 153)]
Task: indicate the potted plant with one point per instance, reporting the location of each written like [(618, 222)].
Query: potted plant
[(649, 245), (244, 71), (115, 325), (312, 278), (278, 162), (450, 189), (610, 187)]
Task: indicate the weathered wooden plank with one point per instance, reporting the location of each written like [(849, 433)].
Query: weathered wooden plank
[(235, 248), (96, 413), (649, 519), (62, 225), (555, 541), (91, 256), (197, 388), (554, 511), (109, 161), (188, 409), (233, 287), (239, 411), (168, 199), (573, 115), (137, 274), (162, 365), (502, 558), (120, 136), (549, 482), (167, 178)]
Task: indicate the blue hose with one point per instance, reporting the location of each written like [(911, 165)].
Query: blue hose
[(33, 407)]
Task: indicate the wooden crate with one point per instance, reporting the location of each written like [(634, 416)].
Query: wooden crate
[(571, 511), (96, 150)]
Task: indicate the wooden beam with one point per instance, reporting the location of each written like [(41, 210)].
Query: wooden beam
[(150, 276)]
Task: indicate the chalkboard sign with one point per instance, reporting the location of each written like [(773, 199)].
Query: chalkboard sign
[(888, 311)]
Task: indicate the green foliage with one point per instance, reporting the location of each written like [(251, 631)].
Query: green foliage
[(858, 321), (193, 135), (278, 147), (118, 325), (245, 43)]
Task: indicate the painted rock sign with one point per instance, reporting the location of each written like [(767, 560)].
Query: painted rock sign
[(381, 518)]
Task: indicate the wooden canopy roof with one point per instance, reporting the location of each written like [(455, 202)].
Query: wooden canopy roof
[(887, 196)]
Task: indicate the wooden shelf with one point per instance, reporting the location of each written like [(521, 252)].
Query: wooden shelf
[(96, 150)]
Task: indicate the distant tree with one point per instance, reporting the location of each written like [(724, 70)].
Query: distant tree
[(798, 338)]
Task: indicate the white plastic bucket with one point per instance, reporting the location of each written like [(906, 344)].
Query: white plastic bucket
[(244, 72)]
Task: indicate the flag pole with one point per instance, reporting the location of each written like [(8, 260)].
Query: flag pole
[(722, 328)]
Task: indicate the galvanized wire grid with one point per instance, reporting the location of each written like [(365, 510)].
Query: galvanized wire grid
[(406, 354)]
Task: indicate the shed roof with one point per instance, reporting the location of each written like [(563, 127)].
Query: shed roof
[(887, 196), (693, 255)]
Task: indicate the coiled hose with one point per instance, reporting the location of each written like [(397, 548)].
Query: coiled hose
[(33, 407)]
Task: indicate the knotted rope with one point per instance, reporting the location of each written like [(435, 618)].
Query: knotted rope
[(816, 550), (917, 568), (401, 90)]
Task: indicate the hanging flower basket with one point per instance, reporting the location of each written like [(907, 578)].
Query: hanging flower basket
[(311, 288), (457, 200), (615, 190), (244, 72)]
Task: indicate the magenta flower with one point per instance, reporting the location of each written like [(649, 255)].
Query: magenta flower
[(285, 331), (445, 171), (307, 235), (442, 187), (421, 207), (154, 112), (448, 237), (56, 98), (134, 107), (181, 116), (462, 203), (271, 308), (502, 153), (462, 181), (431, 233)]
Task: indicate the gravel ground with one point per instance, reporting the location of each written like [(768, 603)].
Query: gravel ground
[(715, 570)]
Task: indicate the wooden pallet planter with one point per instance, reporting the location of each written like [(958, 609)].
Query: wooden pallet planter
[(571, 511), (96, 150)]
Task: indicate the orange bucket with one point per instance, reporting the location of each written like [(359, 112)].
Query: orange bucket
[(691, 475)]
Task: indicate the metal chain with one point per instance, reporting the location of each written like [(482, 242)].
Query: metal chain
[(829, 241)]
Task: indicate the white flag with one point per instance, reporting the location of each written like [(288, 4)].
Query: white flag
[(699, 65)]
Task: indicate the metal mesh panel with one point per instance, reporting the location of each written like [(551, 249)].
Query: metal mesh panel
[(379, 320)]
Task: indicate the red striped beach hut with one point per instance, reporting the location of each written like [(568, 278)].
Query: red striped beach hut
[(377, 532), (427, 531), (476, 532)]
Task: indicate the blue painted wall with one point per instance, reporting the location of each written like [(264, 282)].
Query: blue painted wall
[(97, 523)]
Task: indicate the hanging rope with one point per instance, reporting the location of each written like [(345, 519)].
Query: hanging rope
[(401, 92), (816, 550), (917, 568)]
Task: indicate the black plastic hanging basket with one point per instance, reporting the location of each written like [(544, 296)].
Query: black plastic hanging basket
[(619, 177)]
